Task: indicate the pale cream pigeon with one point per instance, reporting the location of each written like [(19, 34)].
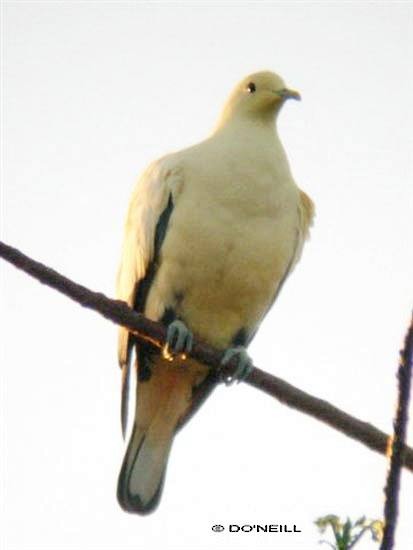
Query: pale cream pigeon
[(212, 232)]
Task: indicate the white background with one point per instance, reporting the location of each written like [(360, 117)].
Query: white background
[(92, 92)]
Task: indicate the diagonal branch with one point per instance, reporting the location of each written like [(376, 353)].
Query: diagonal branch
[(149, 331)]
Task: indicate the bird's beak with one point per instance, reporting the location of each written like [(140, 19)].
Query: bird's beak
[(285, 93)]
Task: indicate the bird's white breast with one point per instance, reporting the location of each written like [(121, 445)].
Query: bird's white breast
[(230, 240)]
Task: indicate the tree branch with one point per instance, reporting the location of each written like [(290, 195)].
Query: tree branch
[(391, 506), (149, 331)]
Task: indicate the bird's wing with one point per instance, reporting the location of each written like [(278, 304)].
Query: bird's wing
[(306, 212), (149, 208)]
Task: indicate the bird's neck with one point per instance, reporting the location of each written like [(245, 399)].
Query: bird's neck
[(259, 128)]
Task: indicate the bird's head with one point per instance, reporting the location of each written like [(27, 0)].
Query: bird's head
[(259, 95)]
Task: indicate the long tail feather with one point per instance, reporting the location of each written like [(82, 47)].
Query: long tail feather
[(164, 395), (142, 474)]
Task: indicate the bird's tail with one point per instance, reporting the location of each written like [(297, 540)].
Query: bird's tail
[(161, 402)]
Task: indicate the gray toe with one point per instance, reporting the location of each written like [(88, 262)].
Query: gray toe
[(179, 337), (244, 364)]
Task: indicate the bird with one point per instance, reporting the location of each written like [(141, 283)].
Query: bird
[(212, 232)]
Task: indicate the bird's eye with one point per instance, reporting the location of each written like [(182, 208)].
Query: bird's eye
[(251, 88)]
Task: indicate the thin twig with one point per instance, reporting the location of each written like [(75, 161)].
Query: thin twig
[(358, 537), (391, 490), (118, 312)]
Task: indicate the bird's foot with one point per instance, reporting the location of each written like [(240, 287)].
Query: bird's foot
[(178, 340), (244, 364)]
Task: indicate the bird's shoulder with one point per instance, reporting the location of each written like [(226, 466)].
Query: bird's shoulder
[(161, 174), (306, 210), (166, 175)]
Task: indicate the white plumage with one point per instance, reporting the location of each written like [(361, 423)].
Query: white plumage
[(211, 234)]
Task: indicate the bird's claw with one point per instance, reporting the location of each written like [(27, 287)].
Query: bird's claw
[(244, 366), (179, 340)]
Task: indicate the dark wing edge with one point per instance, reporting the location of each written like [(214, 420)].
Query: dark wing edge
[(148, 215)]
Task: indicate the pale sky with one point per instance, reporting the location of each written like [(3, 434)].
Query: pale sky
[(92, 92)]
